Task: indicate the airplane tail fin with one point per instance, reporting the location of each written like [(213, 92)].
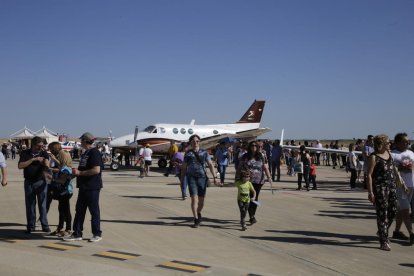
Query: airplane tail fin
[(253, 114)]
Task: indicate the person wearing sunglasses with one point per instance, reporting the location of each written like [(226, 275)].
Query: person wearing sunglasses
[(35, 162), (255, 161), (193, 168)]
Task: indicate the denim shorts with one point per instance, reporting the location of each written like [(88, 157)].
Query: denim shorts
[(404, 199), (197, 185)]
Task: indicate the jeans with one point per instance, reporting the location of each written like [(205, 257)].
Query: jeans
[(275, 169), (353, 178), (87, 199), (64, 214), (222, 171), (33, 190), (243, 206), (253, 206)]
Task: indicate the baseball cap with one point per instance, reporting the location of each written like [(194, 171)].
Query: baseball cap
[(87, 136)]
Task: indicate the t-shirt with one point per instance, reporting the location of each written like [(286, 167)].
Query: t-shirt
[(406, 171), (91, 158), (222, 156), (195, 168), (2, 161), (35, 171), (178, 159), (243, 190), (146, 153), (255, 168)]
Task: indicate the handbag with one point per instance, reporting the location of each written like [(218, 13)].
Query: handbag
[(298, 167), (399, 181)]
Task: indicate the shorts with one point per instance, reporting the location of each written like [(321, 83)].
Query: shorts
[(197, 185), (404, 199), (148, 162)]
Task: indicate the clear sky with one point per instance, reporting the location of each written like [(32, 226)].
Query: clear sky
[(327, 69)]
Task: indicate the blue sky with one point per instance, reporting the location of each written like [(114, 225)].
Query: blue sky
[(327, 69)]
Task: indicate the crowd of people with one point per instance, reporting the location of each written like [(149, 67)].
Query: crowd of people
[(386, 168)]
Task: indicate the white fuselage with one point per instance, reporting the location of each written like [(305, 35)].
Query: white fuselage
[(163, 133)]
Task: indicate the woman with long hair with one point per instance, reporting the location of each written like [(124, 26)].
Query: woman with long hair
[(257, 165), (381, 187)]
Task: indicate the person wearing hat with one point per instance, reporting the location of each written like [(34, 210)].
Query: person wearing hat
[(146, 153), (89, 182)]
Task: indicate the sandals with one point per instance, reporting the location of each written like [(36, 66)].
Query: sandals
[(385, 246)]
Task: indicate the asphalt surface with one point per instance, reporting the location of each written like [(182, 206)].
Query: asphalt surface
[(147, 231)]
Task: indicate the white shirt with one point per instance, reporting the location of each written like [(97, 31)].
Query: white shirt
[(146, 152), (399, 158), (2, 160)]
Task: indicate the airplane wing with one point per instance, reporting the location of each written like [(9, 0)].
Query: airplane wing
[(322, 149), (252, 132), (213, 140)]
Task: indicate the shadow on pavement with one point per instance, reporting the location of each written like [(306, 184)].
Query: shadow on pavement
[(310, 237), (184, 221), (155, 197)]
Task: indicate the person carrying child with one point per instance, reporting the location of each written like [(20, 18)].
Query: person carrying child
[(245, 192)]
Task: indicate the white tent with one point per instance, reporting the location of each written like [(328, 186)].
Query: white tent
[(22, 134), (49, 135)]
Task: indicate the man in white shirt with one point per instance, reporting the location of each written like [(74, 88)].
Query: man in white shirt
[(3, 169), (404, 159), (318, 153)]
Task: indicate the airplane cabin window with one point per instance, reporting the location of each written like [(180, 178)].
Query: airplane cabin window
[(175, 130), (215, 132), (162, 130), (182, 130), (150, 129), (190, 131)]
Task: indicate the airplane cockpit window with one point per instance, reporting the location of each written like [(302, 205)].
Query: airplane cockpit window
[(182, 130), (151, 129), (175, 130), (190, 131), (162, 130), (215, 131)]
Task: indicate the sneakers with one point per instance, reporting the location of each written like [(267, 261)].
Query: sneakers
[(411, 239), (72, 238), (398, 235), (200, 217), (95, 239), (244, 227), (46, 230), (196, 223), (252, 220), (65, 233), (29, 231)]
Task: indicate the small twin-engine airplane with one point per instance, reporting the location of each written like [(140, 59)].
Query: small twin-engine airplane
[(158, 136)]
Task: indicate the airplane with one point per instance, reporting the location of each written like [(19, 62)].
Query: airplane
[(158, 136), (69, 145), (339, 151)]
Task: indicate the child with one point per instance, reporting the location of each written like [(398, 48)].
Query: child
[(312, 175), (245, 192)]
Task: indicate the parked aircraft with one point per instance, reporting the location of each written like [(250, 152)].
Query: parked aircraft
[(339, 151), (158, 136)]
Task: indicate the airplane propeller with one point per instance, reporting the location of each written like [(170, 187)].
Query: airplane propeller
[(136, 135)]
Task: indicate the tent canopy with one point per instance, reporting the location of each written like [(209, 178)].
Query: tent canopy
[(24, 133)]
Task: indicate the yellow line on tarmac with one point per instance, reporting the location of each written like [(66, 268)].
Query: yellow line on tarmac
[(117, 255), (184, 266), (11, 240), (60, 246)]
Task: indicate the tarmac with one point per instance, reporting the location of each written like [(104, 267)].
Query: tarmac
[(147, 231)]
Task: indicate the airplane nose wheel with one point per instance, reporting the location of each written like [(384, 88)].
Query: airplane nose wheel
[(162, 163), (114, 166)]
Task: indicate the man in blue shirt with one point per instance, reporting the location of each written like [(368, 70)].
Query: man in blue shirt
[(89, 182)]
